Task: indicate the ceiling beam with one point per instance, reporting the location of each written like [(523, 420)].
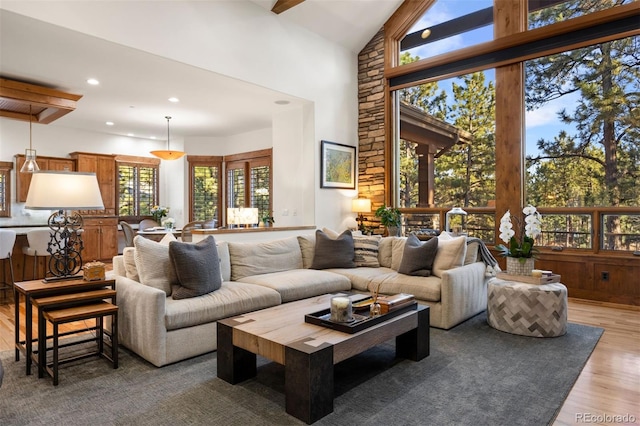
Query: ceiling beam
[(284, 5), (24, 101)]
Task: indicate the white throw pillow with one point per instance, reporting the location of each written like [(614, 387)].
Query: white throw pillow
[(451, 253), (128, 256), (397, 249), (153, 263)]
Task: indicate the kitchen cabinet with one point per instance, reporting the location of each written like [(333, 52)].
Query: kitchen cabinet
[(104, 166), (23, 180), (100, 238)]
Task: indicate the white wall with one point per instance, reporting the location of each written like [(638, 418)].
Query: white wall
[(244, 41)]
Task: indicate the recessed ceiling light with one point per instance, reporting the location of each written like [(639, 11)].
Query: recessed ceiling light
[(130, 134), (93, 81), (152, 137), (282, 102), (174, 100), (109, 123), (426, 33)]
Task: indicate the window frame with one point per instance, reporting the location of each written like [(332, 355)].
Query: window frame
[(5, 172), (137, 162), (513, 44), (245, 161), (204, 161)]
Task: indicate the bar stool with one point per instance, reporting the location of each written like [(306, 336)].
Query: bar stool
[(38, 240), (7, 241)]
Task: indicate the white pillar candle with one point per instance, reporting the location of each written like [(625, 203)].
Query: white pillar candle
[(341, 309)]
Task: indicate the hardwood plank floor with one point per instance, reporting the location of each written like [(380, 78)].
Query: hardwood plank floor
[(608, 386)]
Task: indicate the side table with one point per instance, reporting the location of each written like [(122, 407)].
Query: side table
[(38, 288), (527, 309)]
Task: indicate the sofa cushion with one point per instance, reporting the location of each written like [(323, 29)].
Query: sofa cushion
[(361, 277), (423, 288), (450, 254), (225, 262), (307, 247), (197, 267), (385, 249), (333, 253), (417, 257), (301, 283), (153, 263), (232, 298), (397, 249), (366, 250), (128, 258), (249, 259)]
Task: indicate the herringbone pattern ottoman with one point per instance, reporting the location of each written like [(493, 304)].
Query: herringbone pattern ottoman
[(527, 309)]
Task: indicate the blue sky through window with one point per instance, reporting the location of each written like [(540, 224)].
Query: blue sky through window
[(542, 123)]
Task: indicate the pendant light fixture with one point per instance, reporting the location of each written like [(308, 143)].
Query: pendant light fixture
[(168, 154), (30, 164)]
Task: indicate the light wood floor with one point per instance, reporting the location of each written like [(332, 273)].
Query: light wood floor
[(608, 386)]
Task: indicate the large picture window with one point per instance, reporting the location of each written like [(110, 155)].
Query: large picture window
[(582, 142)]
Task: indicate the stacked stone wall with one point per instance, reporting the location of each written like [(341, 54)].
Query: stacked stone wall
[(371, 130)]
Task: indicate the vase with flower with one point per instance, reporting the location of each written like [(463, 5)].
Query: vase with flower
[(158, 212), (519, 248)]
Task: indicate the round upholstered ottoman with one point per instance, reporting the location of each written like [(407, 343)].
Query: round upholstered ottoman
[(527, 309)]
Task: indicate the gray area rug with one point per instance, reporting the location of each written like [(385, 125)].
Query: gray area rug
[(475, 375)]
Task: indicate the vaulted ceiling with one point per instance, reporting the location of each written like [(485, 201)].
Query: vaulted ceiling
[(56, 58)]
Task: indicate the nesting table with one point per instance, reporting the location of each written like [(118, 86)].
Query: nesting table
[(527, 309), (37, 289)]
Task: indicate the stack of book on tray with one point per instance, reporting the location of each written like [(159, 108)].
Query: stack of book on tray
[(390, 303)]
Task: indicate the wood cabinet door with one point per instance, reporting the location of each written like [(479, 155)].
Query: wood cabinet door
[(61, 164), (106, 175), (91, 241), (100, 239)]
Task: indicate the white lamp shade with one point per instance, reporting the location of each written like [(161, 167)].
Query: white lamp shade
[(53, 190), (361, 205), (242, 216)]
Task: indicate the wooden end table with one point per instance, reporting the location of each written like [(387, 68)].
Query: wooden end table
[(309, 352), (36, 289)]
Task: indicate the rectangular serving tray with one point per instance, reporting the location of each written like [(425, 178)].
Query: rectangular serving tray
[(360, 322), (545, 279)]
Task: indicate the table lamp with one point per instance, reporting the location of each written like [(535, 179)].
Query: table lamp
[(361, 205), (64, 191)]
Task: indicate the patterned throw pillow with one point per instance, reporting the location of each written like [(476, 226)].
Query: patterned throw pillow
[(366, 250)]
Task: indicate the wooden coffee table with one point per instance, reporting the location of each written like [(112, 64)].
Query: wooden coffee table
[(308, 352)]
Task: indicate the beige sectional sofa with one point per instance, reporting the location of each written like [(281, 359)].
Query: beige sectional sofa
[(164, 330)]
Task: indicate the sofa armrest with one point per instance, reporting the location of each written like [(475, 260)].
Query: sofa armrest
[(463, 293), (141, 324)]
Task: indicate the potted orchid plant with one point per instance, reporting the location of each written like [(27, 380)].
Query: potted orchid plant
[(519, 249)]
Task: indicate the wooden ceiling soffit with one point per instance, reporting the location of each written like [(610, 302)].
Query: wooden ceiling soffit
[(284, 5), (47, 105), (424, 129)]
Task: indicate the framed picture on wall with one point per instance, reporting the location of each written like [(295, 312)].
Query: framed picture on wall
[(338, 168)]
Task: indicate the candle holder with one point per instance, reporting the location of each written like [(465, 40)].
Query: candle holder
[(341, 309)]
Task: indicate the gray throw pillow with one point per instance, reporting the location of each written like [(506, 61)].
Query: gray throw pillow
[(417, 257), (338, 253), (197, 267)]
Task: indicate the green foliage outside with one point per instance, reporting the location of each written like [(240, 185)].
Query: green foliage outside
[(597, 164)]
